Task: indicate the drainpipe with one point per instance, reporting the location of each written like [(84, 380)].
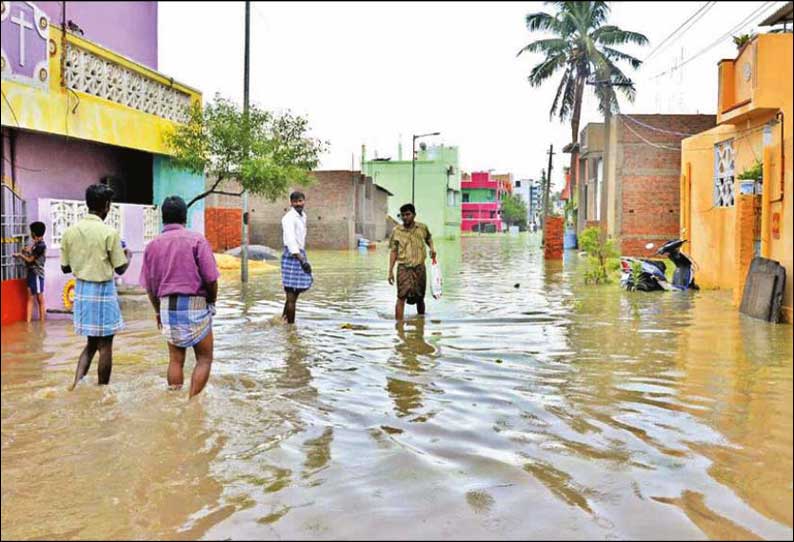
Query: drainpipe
[(779, 117), (766, 198)]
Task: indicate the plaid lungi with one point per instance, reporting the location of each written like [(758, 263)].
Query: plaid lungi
[(96, 311), (186, 319), (292, 274), (411, 283)]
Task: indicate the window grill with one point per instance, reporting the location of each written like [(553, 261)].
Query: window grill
[(14, 234), (724, 162)]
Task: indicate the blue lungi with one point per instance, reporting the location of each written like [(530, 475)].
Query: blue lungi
[(186, 319), (96, 309), (292, 274)]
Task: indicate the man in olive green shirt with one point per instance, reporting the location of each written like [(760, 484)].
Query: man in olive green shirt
[(407, 245), (92, 250)]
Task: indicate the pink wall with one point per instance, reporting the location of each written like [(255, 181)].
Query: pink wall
[(59, 168), (127, 28)]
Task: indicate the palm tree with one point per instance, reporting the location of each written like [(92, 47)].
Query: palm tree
[(582, 47)]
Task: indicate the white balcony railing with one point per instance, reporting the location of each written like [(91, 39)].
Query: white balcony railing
[(90, 73)]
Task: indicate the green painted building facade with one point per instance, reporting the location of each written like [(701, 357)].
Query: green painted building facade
[(438, 195), (479, 195)]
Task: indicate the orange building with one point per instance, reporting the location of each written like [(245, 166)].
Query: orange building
[(727, 217)]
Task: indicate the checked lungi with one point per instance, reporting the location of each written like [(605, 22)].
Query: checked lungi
[(186, 319), (293, 277), (96, 311), (411, 283)]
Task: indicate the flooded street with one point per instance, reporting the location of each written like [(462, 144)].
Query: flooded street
[(526, 405)]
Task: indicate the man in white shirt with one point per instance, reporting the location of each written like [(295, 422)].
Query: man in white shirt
[(296, 272)]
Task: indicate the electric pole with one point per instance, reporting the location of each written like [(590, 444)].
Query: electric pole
[(546, 190), (246, 77)]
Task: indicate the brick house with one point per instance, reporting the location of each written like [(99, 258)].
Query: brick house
[(640, 191), (341, 205)]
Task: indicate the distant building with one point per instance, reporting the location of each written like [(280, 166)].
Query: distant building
[(505, 181), (341, 206), (437, 187), (530, 192), (482, 201)]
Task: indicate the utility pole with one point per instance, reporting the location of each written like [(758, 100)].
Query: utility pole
[(246, 78), (546, 190)]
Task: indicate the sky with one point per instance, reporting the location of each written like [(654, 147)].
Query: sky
[(374, 73)]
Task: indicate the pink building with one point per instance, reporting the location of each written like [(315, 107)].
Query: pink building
[(482, 200)]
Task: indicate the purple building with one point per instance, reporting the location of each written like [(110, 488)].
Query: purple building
[(80, 106)]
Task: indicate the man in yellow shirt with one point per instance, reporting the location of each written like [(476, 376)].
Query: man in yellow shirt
[(407, 244), (92, 251)]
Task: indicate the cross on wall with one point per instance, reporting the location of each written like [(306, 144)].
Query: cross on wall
[(24, 24)]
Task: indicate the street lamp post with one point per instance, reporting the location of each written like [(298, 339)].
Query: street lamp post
[(413, 162)]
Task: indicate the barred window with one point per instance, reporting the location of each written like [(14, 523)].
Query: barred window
[(14, 234), (724, 156)]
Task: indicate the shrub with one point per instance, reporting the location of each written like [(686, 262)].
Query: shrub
[(601, 256)]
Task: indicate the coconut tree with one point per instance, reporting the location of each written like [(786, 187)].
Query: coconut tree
[(582, 46)]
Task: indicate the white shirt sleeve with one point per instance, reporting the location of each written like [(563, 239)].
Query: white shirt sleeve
[(288, 226)]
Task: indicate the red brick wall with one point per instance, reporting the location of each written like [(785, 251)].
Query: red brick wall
[(330, 212), (223, 227), (649, 173), (554, 238)]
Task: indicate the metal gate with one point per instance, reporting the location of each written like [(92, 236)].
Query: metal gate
[(14, 233)]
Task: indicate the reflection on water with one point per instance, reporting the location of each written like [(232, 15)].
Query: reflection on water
[(605, 414)]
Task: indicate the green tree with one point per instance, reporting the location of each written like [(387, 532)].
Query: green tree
[(265, 153), (582, 46), (514, 210)]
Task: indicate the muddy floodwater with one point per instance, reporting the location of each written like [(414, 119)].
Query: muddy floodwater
[(526, 405)]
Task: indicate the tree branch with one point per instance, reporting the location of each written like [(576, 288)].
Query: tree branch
[(222, 193), (207, 193)]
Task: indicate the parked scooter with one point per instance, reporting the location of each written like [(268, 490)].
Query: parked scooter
[(649, 275)]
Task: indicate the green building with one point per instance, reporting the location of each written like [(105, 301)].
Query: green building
[(437, 198)]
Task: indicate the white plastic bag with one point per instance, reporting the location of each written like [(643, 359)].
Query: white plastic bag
[(435, 279)]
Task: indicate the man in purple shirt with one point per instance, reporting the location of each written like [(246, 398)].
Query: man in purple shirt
[(180, 275)]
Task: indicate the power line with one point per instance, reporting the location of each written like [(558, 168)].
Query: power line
[(716, 42), (736, 136), (655, 145), (702, 10), (654, 128)]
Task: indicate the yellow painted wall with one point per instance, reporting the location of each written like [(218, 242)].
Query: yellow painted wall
[(745, 64), (713, 235), (711, 241), (94, 119)]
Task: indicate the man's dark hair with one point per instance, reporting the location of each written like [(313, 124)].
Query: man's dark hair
[(296, 196), (97, 197), (174, 210), (408, 207), (38, 229)]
